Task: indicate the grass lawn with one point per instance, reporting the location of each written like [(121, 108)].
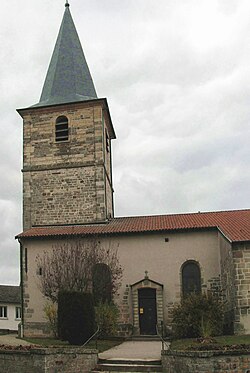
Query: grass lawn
[(225, 340), (102, 345)]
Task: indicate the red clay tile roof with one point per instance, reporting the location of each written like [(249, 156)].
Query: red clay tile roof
[(235, 225)]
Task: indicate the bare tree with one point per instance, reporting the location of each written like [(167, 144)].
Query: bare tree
[(69, 266)]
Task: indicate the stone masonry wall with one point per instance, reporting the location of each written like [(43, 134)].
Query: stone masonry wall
[(48, 360), (125, 323), (227, 282), (66, 182), (214, 286), (205, 362), (241, 259), (66, 196)]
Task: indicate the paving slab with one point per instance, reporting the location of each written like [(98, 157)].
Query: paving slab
[(12, 340), (134, 350)]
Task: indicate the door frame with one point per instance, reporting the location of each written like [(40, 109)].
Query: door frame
[(147, 308), (146, 283)]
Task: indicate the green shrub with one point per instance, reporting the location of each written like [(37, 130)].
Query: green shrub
[(76, 317), (198, 315), (106, 317)]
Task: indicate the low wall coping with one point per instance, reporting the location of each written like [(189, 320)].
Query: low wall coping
[(50, 351), (204, 354)]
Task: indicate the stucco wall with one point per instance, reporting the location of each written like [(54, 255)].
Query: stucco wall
[(10, 322), (162, 259)]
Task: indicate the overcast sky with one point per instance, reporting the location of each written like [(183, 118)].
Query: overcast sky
[(177, 77)]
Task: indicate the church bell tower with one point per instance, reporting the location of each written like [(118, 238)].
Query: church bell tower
[(67, 170)]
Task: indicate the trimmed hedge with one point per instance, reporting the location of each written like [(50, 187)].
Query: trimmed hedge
[(76, 317)]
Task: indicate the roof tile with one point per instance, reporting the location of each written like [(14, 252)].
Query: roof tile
[(10, 294), (235, 225)]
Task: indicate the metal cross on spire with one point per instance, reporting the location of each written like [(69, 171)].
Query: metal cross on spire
[(67, 3)]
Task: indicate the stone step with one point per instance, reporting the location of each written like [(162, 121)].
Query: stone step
[(128, 366), (130, 361), (143, 338)]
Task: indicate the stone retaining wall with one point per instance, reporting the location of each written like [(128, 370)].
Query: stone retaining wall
[(48, 360), (206, 362)]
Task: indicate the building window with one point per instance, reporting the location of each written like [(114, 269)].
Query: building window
[(102, 283), (18, 313), (191, 278), (3, 312), (62, 129)]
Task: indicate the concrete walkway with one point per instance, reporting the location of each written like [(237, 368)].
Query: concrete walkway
[(12, 340), (134, 350)]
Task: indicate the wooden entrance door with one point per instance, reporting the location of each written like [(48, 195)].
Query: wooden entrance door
[(147, 311)]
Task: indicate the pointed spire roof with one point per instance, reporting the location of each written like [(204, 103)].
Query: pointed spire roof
[(68, 78)]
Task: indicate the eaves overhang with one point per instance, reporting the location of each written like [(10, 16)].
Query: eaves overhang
[(30, 236), (93, 102)]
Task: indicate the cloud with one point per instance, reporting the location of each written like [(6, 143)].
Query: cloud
[(176, 75)]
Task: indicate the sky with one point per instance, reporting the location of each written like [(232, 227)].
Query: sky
[(176, 74)]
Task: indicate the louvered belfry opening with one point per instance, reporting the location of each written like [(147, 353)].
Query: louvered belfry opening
[(62, 129)]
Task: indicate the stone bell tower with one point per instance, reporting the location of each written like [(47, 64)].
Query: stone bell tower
[(67, 171)]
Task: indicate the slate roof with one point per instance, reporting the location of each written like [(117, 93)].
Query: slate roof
[(68, 78), (235, 225), (10, 294)]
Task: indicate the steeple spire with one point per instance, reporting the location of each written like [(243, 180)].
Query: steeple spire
[(68, 78)]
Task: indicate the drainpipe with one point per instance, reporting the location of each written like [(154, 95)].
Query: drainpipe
[(21, 285)]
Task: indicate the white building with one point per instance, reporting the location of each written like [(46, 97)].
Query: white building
[(10, 307)]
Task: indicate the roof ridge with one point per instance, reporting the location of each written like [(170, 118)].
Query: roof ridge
[(181, 213)]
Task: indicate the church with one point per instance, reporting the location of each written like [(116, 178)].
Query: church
[(68, 195)]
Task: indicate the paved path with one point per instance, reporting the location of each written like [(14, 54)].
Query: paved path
[(134, 350), (12, 340)]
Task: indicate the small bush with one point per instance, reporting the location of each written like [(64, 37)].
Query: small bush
[(106, 317), (76, 317), (50, 310), (198, 315)]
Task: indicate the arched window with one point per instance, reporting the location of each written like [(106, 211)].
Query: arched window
[(191, 278), (102, 283), (62, 129)]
